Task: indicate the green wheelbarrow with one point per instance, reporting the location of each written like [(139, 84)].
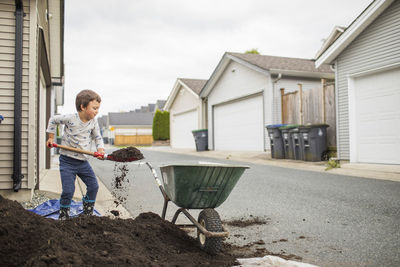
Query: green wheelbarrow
[(199, 186)]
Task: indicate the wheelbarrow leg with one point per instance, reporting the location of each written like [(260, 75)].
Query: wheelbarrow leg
[(164, 210), (166, 199)]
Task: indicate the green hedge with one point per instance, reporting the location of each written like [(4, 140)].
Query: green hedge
[(161, 125)]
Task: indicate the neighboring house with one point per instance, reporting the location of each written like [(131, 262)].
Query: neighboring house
[(160, 104), (187, 112), (243, 95), (366, 58), (31, 87), (104, 130), (131, 128)]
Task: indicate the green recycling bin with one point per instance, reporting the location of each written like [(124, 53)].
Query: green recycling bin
[(313, 141), (287, 140), (276, 142)]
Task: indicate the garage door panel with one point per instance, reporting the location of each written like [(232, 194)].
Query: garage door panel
[(238, 126), (181, 129), (378, 117)]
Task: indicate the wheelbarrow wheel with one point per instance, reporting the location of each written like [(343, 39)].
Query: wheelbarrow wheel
[(210, 220)]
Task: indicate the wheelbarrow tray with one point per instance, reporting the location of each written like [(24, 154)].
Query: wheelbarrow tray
[(200, 186)]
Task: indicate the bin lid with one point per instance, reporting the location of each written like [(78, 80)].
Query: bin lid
[(314, 126), (289, 126), (271, 126), (200, 130)]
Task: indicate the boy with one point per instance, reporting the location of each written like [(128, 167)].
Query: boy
[(79, 130)]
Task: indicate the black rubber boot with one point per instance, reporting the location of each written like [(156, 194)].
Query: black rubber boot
[(88, 208), (64, 214)]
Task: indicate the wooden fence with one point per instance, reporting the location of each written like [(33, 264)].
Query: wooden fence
[(312, 106), (133, 140)]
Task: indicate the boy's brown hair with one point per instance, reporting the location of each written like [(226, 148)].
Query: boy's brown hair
[(84, 97)]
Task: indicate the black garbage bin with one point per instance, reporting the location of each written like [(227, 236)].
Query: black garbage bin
[(201, 139), (276, 142), (287, 140), (294, 135), (313, 141)]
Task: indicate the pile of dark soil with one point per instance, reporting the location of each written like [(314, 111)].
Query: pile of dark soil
[(29, 239), (126, 154)]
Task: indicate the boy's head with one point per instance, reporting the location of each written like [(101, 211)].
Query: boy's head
[(84, 98)]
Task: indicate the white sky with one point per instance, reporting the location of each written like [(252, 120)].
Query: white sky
[(132, 51)]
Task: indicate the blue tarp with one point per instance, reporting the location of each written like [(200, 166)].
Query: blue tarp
[(51, 209)]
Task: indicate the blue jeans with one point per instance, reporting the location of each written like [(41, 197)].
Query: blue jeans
[(69, 169)]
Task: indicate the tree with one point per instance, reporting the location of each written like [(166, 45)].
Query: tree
[(253, 51), (161, 125)]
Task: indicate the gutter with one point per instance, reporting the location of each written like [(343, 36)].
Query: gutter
[(19, 20)]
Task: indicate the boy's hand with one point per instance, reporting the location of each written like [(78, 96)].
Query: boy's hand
[(49, 142), (101, 150)]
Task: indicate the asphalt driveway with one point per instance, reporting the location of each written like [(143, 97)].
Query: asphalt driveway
[(326, 219)]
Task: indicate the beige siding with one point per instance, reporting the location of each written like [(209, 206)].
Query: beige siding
[(7, 61), (377, 46)]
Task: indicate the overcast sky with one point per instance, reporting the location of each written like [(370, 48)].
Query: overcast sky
[(132, 51)]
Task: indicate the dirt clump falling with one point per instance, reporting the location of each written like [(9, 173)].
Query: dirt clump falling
[(120, 184), (126, 154), (27, 239)]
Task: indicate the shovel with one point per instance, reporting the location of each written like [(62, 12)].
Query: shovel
[(94, 154)]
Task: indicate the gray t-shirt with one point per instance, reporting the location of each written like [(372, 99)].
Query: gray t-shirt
[(77, 134)]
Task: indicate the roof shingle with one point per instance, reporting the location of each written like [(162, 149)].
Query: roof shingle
[(282, 63), (195, 84)]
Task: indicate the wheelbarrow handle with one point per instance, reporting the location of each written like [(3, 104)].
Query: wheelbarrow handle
[(81, 151)]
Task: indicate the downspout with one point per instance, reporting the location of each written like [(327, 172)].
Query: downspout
[(273, 95), (19, 20)]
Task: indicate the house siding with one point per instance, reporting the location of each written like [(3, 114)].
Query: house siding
[(186, 101), (377, 46), (7, 62), (236, 81)]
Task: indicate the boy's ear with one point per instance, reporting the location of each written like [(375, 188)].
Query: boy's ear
[(82, 107)]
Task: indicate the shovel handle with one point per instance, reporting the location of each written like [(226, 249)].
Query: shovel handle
[(73, 149)]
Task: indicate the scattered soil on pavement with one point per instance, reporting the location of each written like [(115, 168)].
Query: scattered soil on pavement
[(246, 222), (126, 154)]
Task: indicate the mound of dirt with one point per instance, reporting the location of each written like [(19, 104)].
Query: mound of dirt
[(126, 154), (148, 240)]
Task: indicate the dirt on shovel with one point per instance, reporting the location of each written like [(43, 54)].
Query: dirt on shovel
[(126, 154)]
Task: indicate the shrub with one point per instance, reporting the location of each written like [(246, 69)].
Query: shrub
[(161, 125)]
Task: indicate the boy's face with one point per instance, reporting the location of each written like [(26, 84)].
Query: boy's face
[(91, 110)]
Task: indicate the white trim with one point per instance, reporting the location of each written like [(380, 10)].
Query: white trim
[(32, 91), (247, 64), (214, 77), (375, 70), (352, 120), (358, 25), (186, 111), (239, 98), (306, 74), (189, 89), (174, 93)]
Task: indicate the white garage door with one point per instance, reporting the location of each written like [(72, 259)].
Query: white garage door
[(378, 117), (182, 126), (238, 126)]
